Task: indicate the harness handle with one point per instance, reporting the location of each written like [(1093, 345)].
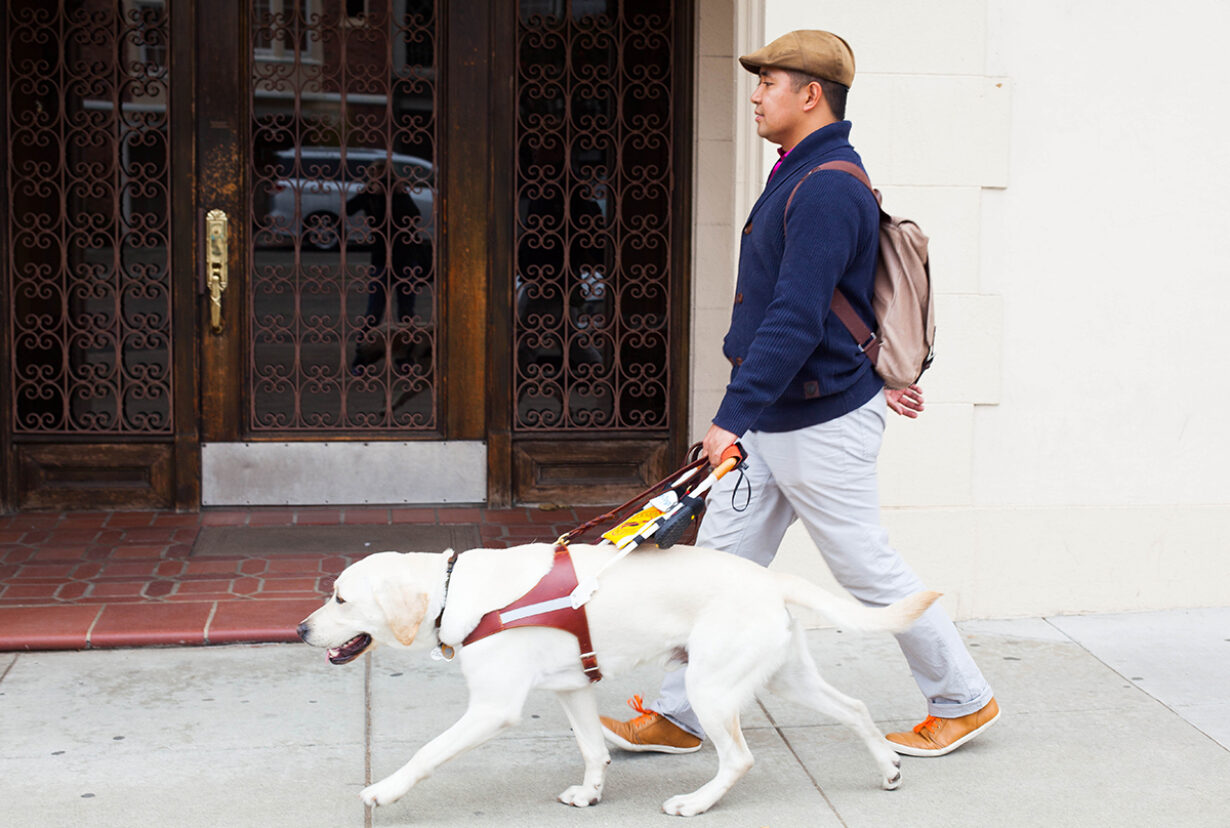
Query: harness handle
[(675, 520), (676, 478)]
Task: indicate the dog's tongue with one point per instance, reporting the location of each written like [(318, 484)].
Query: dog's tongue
[(351, 650)]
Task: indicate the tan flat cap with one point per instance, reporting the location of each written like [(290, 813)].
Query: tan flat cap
[(816, 53)]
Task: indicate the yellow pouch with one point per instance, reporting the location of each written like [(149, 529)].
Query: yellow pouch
[(632, 525)]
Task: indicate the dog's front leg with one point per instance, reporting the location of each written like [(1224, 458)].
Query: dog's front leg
[(480, 723), (582, 711)]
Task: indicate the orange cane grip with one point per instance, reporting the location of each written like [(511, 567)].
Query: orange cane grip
[(731, 458)]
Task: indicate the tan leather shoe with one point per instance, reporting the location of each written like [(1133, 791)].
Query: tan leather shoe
[(650, 731), (935, 736)]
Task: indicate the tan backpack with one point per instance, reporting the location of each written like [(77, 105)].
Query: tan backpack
[(904, 344)]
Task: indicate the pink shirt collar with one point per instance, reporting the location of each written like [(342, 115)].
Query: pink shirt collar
[(781, 156)]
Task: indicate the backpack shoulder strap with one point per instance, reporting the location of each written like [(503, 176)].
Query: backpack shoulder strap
[(790, 200), (847, 167), (867, 340), (861, 174), (854, 170)]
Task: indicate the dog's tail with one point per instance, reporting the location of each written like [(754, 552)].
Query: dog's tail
[(894, 618)]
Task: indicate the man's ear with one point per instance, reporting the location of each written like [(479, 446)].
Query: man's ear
[(403, 610), (815, 97)]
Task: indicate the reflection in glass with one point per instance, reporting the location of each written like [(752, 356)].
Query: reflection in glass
[(343, 295)]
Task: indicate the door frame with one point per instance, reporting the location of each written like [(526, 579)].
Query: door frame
[(186, 454)]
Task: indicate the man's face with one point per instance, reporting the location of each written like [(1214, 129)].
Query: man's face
[(778, 107)]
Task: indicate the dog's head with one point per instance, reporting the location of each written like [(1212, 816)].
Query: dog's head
[(381, 599)]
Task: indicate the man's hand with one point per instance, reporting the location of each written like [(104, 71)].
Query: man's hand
[(908, 402), (716, 442)]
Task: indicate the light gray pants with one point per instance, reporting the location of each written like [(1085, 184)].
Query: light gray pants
[(825, 475)]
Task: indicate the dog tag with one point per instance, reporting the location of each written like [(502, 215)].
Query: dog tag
[(443, 653)]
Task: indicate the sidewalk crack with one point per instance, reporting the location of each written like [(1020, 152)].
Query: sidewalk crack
[(815, 783), (367, 734), (1137, 685)]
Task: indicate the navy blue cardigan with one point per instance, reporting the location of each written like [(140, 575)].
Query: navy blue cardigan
[(795, 364)]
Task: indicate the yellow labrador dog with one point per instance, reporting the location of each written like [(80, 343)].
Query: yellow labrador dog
[(725, 617)]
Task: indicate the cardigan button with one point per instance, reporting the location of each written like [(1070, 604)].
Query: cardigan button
[(736, 361), (738, 298), (747, 228)]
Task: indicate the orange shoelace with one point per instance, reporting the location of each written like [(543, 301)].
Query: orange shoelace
[(929, 724), (637, 703)]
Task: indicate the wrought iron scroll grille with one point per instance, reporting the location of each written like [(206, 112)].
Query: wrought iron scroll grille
[(594, 186), (342, 308), (88, 246)]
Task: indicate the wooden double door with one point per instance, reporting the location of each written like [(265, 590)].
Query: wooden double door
[(240, 232)]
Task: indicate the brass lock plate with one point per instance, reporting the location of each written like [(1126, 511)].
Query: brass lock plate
[(217, 226)]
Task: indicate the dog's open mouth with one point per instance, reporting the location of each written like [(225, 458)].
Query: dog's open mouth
[(351, 650)]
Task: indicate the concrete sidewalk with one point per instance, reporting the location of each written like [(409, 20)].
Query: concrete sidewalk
[(1108, 720)]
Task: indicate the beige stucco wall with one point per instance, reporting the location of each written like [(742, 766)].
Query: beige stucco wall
[(1065, 160)]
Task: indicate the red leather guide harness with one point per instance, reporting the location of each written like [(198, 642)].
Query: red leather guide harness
[(548, 604)]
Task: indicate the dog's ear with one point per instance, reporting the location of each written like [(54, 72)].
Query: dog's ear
[(403, 609)]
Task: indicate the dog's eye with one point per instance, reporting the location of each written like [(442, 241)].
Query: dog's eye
[(339, 599)]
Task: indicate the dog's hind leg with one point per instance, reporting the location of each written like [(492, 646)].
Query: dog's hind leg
[(734, 760), (719, 683), (582, 711), (491, 710), (799, 681)]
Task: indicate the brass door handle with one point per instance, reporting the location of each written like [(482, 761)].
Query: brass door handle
[(216, 233)]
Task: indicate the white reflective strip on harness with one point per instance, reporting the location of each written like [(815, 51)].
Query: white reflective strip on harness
[(536, 609)]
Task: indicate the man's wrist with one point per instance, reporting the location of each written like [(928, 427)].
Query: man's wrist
[(733, 417)]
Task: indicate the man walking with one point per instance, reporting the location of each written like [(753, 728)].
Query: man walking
[(807, 403)]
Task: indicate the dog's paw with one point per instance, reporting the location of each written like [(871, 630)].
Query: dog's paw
[(892, 783), (384, 792), (581, 796), (685, 805)]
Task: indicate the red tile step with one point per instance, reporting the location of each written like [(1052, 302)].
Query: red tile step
[(73, 581)]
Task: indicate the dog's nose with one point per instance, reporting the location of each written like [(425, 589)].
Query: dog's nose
[(303, 629)]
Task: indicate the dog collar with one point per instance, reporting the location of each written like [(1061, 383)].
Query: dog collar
[(444, 651)]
